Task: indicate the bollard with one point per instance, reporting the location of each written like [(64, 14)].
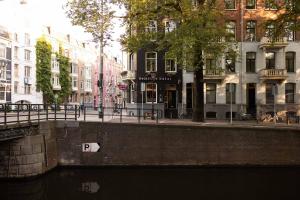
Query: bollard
[(65, 112), (55, 112), (5, 115), (121, 115), (18, 113), (139, 115), (38, 113), (75, 112), (156, 116)]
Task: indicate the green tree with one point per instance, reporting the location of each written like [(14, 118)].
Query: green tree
[(288, 16), (43, 69), (64, 77), (199, 32)]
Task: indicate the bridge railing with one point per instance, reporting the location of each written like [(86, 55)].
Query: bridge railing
[(29, 113)]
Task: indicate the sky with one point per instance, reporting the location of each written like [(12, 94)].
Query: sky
[(41, 13)]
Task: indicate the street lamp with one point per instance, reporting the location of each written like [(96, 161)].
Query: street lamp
[(153, 78)]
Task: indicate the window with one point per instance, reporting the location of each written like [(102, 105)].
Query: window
[(27, 39), (228, 115), (131, 61), (229, 63), (270, 60), (16, 52), (270, 4), (2, 51), (250, 62), (152, 29), (211, 115), (210, 63), (289, 31), (16, 37), (3, 70), (151, 62), (74, 69), (16, 71), (290, 61), (55, 80), (2, 93), (74, 82), (230, 30), (81, 85), (210, 93), (16, 84), (250, 4), (230, 90), (151, 90), (251, 31), (290, 92), (229, 4), (170, 65), (27, 71), (170, 26), (27, 55), (270, 30), (271, 90), (27, 89)]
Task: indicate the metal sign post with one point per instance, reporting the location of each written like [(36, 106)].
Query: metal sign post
[(142, 90), (231, 90), (274, 92)]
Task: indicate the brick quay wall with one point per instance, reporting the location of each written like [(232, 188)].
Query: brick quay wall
[(61, 144)]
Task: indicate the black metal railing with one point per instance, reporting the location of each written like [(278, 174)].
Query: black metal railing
[(29, 113)]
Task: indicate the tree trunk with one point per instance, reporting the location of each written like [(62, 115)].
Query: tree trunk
[(198, 88), (198, 108)]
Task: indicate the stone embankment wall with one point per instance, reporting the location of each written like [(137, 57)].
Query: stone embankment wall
[(60, 144), (31, 155), (139, 145)]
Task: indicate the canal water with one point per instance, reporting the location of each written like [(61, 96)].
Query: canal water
[(157, 183)]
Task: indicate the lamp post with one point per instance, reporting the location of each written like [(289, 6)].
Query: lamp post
[(153, 78)]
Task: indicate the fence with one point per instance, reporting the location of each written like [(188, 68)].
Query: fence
[(29, 113)]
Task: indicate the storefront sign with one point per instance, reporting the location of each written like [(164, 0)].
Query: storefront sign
[(165, 78)]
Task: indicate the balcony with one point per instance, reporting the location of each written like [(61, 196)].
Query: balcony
[(273, 74), (217, 74), (28, 80), (74, 89), (56, 87), (128, 75), (278, 43)]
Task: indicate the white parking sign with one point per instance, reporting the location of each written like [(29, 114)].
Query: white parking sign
[(90, 147)]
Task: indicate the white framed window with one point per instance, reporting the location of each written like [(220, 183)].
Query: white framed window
[(27, 54), (16, 37), (16, 52), (16, 71), (2, 70), (2, 93), (230, 4), (151, 61), (231, 30), (16, 85), (151, 92), (2, 50), (152, 27), (170, 26), (27, 71), (54, 63), (74, 82), (27, 89), (55, 80), (170, 65), (27, 39)]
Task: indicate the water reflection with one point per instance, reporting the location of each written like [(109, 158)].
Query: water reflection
[(138, 184)]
